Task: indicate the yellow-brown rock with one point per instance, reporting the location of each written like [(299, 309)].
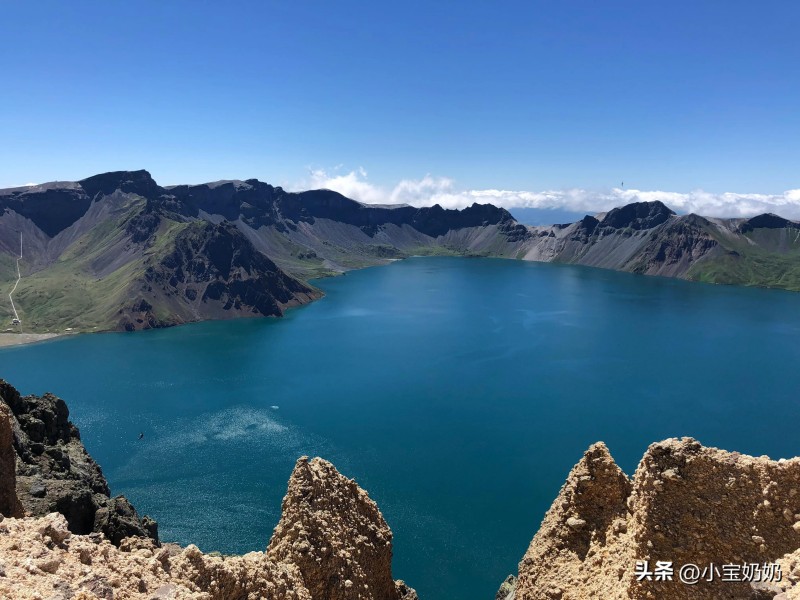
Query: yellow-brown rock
[(335, 534), (685, 504), (40, 558)]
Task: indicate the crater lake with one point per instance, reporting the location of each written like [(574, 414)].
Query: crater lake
[(457, 392)]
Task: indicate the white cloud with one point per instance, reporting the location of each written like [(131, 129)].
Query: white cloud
[(430, 190), (353, 185)]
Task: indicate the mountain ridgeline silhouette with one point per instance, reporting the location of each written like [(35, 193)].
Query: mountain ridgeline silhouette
[(119, 251)]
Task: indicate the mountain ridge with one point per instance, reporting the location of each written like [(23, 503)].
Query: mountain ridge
[(117, 251)]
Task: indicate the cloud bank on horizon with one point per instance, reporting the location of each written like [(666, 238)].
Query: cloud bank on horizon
[(430, 190)]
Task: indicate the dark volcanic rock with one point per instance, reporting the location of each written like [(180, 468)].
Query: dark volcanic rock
[(9, 503), (258, 204), (51, 207), (252, 200), (117, 519), (766, 221), (54, 472), (212, 270), (135, 182), (237, 275), (585, 229), (639, 215), (436, 221), (142, 227), (678, 245)]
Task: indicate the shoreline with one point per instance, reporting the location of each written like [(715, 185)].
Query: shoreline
[(8, 340), (11, 340)]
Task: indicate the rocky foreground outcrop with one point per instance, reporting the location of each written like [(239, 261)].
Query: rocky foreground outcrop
[(40, 558), (9, 502), (686, 505), (335, 534), (331, 543), (54, 473)]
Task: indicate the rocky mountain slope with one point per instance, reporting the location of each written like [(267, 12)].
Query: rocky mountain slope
[(118, 251), (128, 263), (649, 238), (332, 542), (686, 504)]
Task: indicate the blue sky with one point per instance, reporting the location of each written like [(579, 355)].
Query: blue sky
[(522, 96)]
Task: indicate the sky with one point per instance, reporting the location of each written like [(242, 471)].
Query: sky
[(576, 105)]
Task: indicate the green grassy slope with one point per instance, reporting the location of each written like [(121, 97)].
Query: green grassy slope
[(762, 257), (69, 294), (62, 297), (8, 275)]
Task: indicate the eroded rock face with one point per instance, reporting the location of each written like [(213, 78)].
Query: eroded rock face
[(211, 270), (336, 536), (587, 515), (685, 504), (54, 473), (9, 503)]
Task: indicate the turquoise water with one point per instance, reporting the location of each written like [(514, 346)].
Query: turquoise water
[(458, 392)]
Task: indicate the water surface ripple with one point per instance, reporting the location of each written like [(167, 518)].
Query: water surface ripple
[(458, 392)]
